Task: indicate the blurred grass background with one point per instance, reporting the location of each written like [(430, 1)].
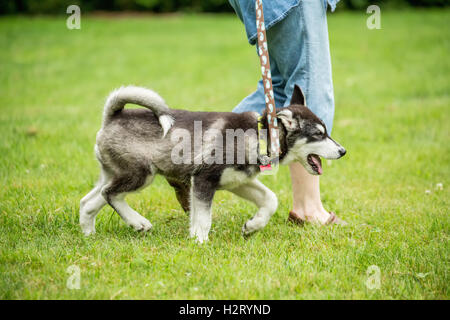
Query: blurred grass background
[(392, 114)]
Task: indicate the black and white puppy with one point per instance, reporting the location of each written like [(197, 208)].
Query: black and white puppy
[(134, 145)]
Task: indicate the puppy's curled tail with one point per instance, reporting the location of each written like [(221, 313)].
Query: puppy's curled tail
[(117, 100)]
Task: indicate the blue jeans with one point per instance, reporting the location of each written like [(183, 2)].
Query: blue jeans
[(299, 54)]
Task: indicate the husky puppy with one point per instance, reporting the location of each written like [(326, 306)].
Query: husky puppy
[(134, 145)]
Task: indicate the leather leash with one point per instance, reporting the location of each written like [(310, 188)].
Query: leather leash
[(269, 163)]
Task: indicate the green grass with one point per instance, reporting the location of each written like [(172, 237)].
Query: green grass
[(392, 114)]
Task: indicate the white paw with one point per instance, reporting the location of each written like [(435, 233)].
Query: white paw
[(88, 231), (139, 223), (251, 226), (87, 224), (245, 230), (200, 234)]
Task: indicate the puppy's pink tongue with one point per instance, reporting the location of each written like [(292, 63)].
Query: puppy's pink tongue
[(318, 163)]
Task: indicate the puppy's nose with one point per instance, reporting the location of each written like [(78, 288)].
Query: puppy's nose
[(342, 152)]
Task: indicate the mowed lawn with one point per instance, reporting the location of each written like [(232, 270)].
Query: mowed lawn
[(392, 114)]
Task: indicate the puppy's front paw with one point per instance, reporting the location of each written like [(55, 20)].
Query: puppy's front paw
[(251, 226), (246, 233), (140, 224), (199, 234)]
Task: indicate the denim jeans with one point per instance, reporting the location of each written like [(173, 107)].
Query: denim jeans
[(299, 54)]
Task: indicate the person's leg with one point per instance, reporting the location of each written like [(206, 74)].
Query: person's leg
[(306, 202), (299, 54), (299, 44)]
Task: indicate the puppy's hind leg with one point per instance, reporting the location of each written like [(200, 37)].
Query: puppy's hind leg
[(116, 191), (90, 206), (264, 198)]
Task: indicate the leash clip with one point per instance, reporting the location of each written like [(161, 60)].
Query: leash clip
[(264, 160)]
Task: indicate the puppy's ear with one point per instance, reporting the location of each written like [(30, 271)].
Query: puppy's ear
[(297, 96), (287, 118)]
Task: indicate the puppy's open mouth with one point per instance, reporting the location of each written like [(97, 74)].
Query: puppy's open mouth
[(315, 163)]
